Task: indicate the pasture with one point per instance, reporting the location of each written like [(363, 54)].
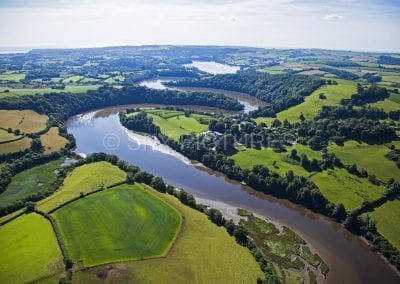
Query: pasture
[(126, 223), (368, 157), (203, 253), (15, 146), (387, 221), (273, 160), (40, 91), (312, 103), (29, 250), (52, 141), (26, 121), (13, 77), (174, 123), (85, 178), (338, 186), (30, 182)]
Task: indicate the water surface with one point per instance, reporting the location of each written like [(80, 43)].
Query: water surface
[(213, 67)]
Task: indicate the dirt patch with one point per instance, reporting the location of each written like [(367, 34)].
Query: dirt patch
[(112, 272)]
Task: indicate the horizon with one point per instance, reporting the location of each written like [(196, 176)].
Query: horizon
[(365, 26)]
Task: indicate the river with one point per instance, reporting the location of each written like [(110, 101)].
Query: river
[(349, 258), (213, 67)]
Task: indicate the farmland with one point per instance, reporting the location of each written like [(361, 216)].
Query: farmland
[(6, 136), (15, 146), (313, 103), (386, 217), (83, 179), (368, 157), (337, 185), (127, 222), (40, 91), (26, 121), (30, 182), (29, 250), (52, 141), (175, 123), (202, 253)]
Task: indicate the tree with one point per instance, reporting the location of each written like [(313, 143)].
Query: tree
[(158, 184), (36, 145), (302, 118), (216, 216), (240, 235)]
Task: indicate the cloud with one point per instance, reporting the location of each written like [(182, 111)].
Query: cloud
[(333, 17), (231, 19)]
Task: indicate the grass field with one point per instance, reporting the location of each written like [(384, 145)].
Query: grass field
[(15, 146), (312, 104), (368, 157), (339, 186), (52, 141), (392, 79), (387, 105), (174, 123), (72, 79), (30, 182), (26, 121), (126, 223), (273, 160), (41, 91), (29, 250), (5, 136), (395, 98), (387, 221), (84, 179), (203, 253), (11, 77)]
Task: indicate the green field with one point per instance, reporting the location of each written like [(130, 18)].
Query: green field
[(387, 105), (368, 157), (30, 182), (11, 77), (273, 160), (395, 98), (72, 79), (84, 179), (174, 123), (41, 91), (125, 223), (312, 104), (29, 250), (203, 253), (338, 186), (387, 221)]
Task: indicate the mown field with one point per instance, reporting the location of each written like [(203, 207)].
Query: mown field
[(83, 179), (15, 146), (312, 104), (203, 253), (29, 250), (368, 157), (337, 185), (30, 182), (126, 223), (6, 136), (174, 123), (52, 141), (386, 217), (26, 121)]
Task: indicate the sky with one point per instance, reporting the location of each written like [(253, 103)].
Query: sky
[(368, 25)]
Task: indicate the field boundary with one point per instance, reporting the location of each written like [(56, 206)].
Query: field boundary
[(12, 140), (12, 218)]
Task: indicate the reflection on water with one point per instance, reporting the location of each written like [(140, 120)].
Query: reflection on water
[(213, 67), (350, 260)]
